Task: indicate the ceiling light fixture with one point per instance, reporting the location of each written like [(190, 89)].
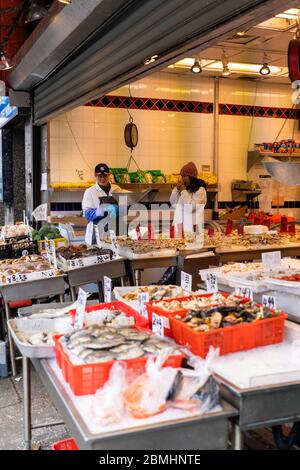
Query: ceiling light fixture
[(66, 2), (225, 71), (36, 12), (5, 63), (151, 60), (265, 69), (196, 67)]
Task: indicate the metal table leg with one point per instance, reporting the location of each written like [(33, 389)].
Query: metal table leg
[(137, 277), (237, 437), (61, 298), (11, 343), (73, 293), (122, 281), (27, 402)]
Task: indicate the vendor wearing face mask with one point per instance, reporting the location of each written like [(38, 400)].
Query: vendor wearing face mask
[(93, 209), (189, 193)]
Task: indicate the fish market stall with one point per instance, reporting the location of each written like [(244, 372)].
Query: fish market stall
[(263, 384), (98, 420)]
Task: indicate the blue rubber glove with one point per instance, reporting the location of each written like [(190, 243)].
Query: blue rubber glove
[(111, 210)]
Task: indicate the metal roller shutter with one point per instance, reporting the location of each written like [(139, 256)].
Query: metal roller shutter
[(115, 53)]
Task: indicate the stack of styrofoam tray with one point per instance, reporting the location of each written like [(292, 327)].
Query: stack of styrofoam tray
[(28, 326)]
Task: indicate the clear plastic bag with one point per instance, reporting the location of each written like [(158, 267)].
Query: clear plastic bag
[(148, 394), (198, 391), (108, 404)]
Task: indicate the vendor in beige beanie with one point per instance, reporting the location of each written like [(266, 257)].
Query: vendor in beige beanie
[(189, 194)]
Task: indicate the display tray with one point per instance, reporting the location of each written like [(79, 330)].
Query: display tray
[(237, 248), (76, 263), (163, 253), (27, 326), (28, 277), (289, 287)]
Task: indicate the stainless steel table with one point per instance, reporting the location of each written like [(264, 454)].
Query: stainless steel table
[(29, 290), (95, 273), (136, 266), (209, 431), (261, 406)]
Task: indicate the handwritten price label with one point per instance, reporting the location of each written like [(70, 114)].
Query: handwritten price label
[(186, 281), (83, 262), (157, 325), (143, 298), (16, 278), (269, 301), (114, 242), (51, 252), (244, 292), (271, 260), (80, 310), (107, 285), (211, 282)]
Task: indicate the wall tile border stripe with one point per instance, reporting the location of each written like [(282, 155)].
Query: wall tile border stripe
[(152, 104), (184, 106)]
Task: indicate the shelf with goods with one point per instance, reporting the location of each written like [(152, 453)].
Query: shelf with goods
[(135, 187), (255, 155)]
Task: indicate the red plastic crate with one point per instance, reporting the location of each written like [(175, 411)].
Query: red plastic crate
[(66, 444), (232, 338), (85, 379), (140, 321), (152, 308)]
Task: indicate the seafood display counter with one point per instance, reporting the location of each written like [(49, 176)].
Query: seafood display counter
[(207, 431), (263, 384), (245, 254)]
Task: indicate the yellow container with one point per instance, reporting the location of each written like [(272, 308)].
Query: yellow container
[(59, 243)]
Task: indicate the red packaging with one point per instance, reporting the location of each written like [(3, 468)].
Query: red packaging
[(229, 226)]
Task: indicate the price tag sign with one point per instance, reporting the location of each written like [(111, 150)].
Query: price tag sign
[(269, 301), (157, 325), (51, 252), (211, 282), (80, 310), (107, 285), (271, 260), (114, 242), (89, 233), (143, 298), (16, 278), (186, 281), (244, 292), (40, 212)]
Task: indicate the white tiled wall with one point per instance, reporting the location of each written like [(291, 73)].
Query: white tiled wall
[(167, 140)]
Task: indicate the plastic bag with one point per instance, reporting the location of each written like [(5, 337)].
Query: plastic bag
[(198, 391), (148, 394), (108, 404)]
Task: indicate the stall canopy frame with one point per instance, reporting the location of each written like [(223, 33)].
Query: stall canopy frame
[(115, 53)]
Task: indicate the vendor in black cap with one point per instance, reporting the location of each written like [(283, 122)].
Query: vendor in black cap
[(94, 206)]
